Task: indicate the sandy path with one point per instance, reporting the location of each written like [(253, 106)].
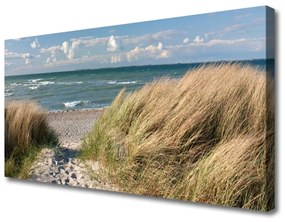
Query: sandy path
[(60, 165), (73, 125)]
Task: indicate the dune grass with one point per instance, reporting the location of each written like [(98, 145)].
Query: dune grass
[(26, 131), (207, 137)]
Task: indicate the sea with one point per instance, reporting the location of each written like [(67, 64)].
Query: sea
[(95, 88)]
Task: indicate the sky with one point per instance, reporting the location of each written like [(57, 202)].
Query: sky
[(229, 35)]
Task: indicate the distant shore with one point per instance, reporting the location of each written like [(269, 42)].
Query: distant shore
[(72, 125)]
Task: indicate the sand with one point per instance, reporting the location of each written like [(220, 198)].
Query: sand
[(61, 165), (71, 126)]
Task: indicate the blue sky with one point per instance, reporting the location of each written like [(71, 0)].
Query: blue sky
[(229, 35)]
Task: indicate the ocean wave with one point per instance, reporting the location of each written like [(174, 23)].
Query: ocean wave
[(33, 87), (44, 83), (112, 82), (74, 103), (36, 83), (69, 83), (35, 80), (127, 83), (15, 84), (8, 94), (121, 83)]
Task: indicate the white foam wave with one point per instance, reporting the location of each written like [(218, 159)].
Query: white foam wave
[(15, 84), (8, 94), (127, 83), (112, 82), (69, 83), (36, 83), (121, 83), (33, 87), (74, 103), (44, 83), (35, 80)]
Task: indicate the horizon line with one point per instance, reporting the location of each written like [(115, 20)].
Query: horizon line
[(128, 66)]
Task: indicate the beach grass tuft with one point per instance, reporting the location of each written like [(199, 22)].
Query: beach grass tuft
[(207, 137), (26, 130)]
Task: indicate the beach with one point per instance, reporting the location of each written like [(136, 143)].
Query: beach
[(61, 165), (71, 126)]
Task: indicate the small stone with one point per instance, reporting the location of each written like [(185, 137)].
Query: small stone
[(66, 181), (73, 176), (72, 183), (61, 162), (62, 170), (54, 162), (55, 170)]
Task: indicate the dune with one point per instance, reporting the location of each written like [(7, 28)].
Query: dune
[(207, 137), (26, 129)]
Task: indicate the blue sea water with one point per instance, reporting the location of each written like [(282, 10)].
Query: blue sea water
[(87, 89)]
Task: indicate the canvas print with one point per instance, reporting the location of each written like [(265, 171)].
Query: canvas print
[(179, 108)]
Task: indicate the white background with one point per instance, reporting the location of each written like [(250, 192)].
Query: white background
[(23, 201)]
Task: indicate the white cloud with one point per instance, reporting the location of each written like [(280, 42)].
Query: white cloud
[(51, 59), (112, 44), (198, 40), (160, 46), (27, 57), (13, 55), (150, 51), (116, 59), (52, 49), (35, 44), (27, 61), (65, 47), (214, 42), (186, 41)]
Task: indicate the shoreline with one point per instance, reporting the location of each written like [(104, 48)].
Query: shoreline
[(77, 110)]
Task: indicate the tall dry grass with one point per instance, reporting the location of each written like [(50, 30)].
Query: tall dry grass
[(207, 137), (26, 127)]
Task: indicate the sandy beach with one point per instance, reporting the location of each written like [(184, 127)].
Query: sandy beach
[(61, 165), (71, 126)]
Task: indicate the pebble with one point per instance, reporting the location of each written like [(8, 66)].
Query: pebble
[(64, 170), (73, 176)]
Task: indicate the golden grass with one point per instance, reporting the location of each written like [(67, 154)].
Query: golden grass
[(207, 137), (26, 129)]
